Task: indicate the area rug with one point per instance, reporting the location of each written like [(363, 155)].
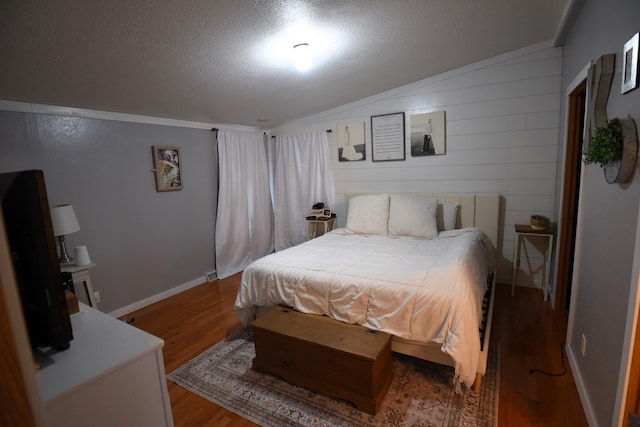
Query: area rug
[(422, 393)]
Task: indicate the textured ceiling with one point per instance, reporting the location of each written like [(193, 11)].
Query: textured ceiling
[(227, 61)]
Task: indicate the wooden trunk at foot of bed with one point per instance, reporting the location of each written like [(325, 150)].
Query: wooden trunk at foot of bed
[(325, 356)]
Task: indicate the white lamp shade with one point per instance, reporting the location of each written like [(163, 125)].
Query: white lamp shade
[(64, 220)]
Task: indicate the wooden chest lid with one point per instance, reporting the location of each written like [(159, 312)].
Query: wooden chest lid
[(322, 330)]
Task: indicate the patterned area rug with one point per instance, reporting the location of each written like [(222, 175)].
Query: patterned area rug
[(422, 393)]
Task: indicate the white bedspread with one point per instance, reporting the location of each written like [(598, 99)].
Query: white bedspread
[(416, 289)]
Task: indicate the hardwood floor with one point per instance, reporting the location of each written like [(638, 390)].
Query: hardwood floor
[(529, 332), (531, 336)]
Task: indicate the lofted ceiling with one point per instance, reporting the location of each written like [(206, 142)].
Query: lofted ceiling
[(228, 61)]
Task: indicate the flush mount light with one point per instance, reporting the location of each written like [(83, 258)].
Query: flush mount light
[(302, 56)]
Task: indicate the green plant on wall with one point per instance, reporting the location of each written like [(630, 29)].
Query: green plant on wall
[(606, 144)]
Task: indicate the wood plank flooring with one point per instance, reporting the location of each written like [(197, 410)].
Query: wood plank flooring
[(529, 332)]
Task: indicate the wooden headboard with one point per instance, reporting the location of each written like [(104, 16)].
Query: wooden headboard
[(480, 210)]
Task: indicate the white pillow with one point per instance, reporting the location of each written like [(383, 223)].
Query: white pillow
[(413, 216), (369, 214), (447, 216)]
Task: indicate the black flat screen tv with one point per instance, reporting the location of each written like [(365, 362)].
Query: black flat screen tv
[(32, 245)]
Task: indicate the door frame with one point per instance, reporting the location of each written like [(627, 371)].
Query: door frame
[(570, 195), (18, 377), (563, 240), (584, 398)]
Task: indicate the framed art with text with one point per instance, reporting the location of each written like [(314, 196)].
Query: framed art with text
[(387, 137), (168, 168)]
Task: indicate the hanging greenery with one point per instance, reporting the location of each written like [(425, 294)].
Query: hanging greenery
[(606, 144)]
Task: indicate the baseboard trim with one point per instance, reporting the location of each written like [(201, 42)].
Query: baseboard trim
[(582, 391), (158, 297)]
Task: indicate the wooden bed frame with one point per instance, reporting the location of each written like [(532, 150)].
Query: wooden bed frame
[(476, 210)]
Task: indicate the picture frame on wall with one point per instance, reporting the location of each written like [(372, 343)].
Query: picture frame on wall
[(630, 65), (167, 168), (387, 137), (428, 134), (351, 142)]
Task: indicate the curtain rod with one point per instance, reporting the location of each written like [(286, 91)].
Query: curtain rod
[(272, 136), (328, 131)]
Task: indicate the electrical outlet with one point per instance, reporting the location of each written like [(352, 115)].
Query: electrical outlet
[(583, 346), (96, 296), (211, 276)]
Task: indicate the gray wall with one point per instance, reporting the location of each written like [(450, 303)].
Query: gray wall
[(143, 242), (609, 215)]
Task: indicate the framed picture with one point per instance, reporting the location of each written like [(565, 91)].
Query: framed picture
[(387, 137), (351, 145), (167, 168), (428, 136), (630, 65)]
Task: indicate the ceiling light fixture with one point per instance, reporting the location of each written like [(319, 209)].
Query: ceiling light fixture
[(302, 56)]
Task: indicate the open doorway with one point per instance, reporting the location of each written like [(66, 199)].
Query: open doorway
[(570, 191)]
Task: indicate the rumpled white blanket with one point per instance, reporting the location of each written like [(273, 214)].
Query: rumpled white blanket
[(417, 289)]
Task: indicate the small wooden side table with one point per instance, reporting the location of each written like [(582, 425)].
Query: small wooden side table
[(80, 274), (526, 230), (325, 225)]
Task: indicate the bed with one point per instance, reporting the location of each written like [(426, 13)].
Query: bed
[(418, 266)]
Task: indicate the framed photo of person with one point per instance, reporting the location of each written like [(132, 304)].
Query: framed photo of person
[(428, 137), (351, 143)]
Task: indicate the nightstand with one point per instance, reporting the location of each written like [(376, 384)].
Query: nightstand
[(526, 230), (80, 275), (319, 226)]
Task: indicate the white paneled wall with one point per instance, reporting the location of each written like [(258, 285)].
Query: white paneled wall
[(502, 126)]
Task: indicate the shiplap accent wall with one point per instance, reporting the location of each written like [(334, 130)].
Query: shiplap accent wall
[(502, 126)]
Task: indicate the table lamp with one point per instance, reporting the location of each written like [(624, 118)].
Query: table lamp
[(64, 222)]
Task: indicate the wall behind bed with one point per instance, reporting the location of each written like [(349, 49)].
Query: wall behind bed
[(502, 126)]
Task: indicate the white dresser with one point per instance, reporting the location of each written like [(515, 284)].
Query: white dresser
[(112, 375)]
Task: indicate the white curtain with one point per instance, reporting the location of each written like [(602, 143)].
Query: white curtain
[(244, 223), (301, 179)]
